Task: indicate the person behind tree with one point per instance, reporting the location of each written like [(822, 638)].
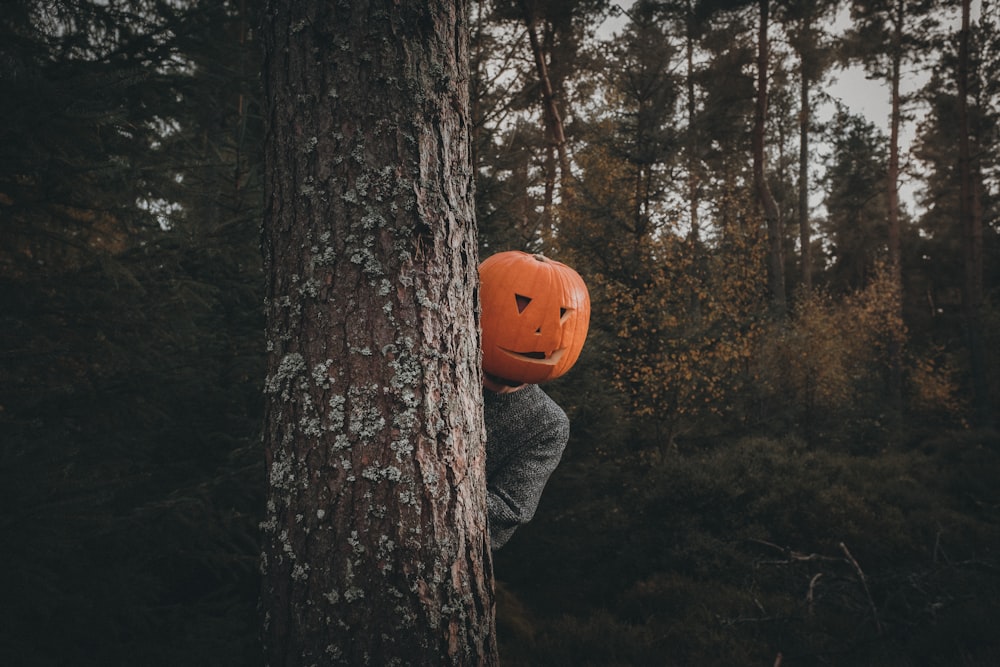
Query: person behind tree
[(534, 317)]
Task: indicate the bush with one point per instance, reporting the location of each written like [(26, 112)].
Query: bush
[(760, 547)]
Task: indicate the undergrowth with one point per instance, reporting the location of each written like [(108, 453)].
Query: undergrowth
[(761, 552)]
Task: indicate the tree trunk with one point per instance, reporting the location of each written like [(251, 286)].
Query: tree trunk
[(697, 270), (772, 218), (895, 353), (971, 214), (805, 120), (553, 118), (895, 263), (375, 545)]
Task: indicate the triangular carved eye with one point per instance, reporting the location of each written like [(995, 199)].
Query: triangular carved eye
[(563, 313), (522, 302)]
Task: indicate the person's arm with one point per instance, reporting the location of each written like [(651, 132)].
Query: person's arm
[(513, 491)]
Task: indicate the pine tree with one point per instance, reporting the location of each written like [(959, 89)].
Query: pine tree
[(889, 34), (765, 199), (953, 226), (129, 350), (856, 192), (542, 47), (803, 21), (971, 215)]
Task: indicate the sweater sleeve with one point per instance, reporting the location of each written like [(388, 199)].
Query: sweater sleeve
[(514, 490)]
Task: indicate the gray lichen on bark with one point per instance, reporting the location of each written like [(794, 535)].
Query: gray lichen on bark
[(373, 429)]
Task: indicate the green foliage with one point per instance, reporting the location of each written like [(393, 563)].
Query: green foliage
[(680, 317), (939, 298), (856, 188), (130, 465), (131, 357), (758, 547), (515, 150)]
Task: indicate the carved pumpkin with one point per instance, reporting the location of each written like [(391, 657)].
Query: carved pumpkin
[(535, 314)]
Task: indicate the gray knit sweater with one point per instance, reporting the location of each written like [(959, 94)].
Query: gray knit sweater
[(526, 432)]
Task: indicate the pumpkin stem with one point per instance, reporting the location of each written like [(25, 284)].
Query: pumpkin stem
[(540, 257)]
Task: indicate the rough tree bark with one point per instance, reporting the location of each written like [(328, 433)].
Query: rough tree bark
[(375, 546)]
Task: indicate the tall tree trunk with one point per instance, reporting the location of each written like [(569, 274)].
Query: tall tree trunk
[(772, 218), (693, 157), (894, 240), (698, 269), (805, 120), (554, 130), (894, 243), (971, 214), (375, 545)]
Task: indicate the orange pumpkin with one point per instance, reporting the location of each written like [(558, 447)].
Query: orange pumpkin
[(535, 315)]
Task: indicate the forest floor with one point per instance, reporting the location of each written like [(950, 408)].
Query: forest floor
[(761, 552)]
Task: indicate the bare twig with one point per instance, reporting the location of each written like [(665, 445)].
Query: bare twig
[(810, 596), (792, 555), (938, 550), (864, 584)]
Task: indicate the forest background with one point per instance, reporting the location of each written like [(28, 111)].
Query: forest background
[(783, 437)]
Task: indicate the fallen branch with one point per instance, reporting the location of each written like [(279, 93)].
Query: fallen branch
[(810, 595), (792, 555), (864, 584)]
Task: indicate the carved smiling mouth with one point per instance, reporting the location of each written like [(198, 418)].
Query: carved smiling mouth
[(549, 359)]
